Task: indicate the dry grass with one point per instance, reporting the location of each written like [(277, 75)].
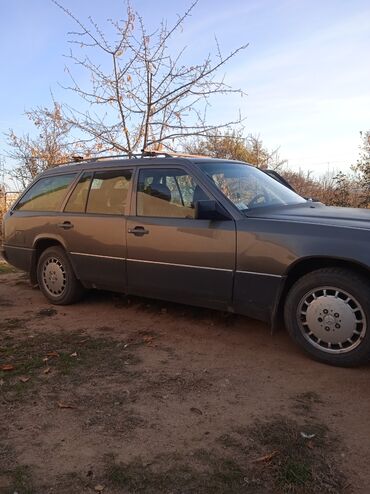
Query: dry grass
[(6, 268), (269, 456), (43, 360)]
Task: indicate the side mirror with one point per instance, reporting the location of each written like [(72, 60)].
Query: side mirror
[(210, 210)]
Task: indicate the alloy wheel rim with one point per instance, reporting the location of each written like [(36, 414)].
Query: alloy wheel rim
[(331, 320), (54, 276)]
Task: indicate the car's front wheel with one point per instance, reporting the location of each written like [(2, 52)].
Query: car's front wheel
[(56, 278), (327, 312)]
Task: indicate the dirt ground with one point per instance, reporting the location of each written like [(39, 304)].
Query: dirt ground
[(127, 395)]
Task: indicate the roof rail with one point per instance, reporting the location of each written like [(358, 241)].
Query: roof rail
[(174, 154), (146, 153), (76, 159)]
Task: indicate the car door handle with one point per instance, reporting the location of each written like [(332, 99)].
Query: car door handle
[(66, 225), (138, 230)]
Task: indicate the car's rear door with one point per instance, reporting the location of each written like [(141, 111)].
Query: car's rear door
[(170, 254), (94, 227)]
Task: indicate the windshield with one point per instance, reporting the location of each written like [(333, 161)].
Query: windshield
[(248, 187)]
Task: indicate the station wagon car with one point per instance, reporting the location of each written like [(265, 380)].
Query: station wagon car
[(214, 233)]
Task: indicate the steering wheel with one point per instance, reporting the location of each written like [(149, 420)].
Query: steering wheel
[(256, 201)]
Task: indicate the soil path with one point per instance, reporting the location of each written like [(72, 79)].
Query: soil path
[(122, 379)]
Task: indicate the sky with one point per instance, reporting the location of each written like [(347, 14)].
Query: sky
[(306, 70)]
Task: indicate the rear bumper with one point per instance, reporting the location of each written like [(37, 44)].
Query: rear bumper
[(19, 257)]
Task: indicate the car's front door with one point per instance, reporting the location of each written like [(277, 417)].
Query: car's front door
[(170, 254)]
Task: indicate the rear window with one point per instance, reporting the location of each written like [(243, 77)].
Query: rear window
[(108, 192), (46, 194)]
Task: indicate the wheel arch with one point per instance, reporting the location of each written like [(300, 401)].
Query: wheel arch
[(306, 265), (40, 245)]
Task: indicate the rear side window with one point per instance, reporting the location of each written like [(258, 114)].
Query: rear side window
[(109, 191), (46, 194), (77, 201)]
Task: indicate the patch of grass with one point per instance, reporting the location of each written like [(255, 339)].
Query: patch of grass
[(29, 365), (66, 363), (47, 312), (12, 323), (22, 481), (71, 355), (171, 475), (6, 268), (299, 464), (293, 473), (12, 388), (288, 456)]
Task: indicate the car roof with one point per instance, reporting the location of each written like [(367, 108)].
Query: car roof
[(117, 161)]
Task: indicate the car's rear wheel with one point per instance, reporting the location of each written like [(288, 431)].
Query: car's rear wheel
[(327, 312), (56, 278)]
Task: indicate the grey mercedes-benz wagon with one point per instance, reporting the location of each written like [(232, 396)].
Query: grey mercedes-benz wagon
[(214, 233)]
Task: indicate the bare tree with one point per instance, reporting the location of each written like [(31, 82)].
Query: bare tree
[(362, 169), (233, 145), (341, 195), (262, 157), (141, 95), (50, 147)]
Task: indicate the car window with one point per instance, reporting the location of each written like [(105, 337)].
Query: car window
[(108, 192), (248, 187), (46, 194), (77, 201), (169, 193)]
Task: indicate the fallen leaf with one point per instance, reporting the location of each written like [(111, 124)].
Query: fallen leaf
[(196, 410), (74, 354), (45, 359), (52, 354), (148, 339), (99, 488), (267, 457), (24, 379), (7, 367), (47, 370), (65, 405)]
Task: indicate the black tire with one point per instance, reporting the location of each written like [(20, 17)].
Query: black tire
[(56, 277), (321, 331)]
